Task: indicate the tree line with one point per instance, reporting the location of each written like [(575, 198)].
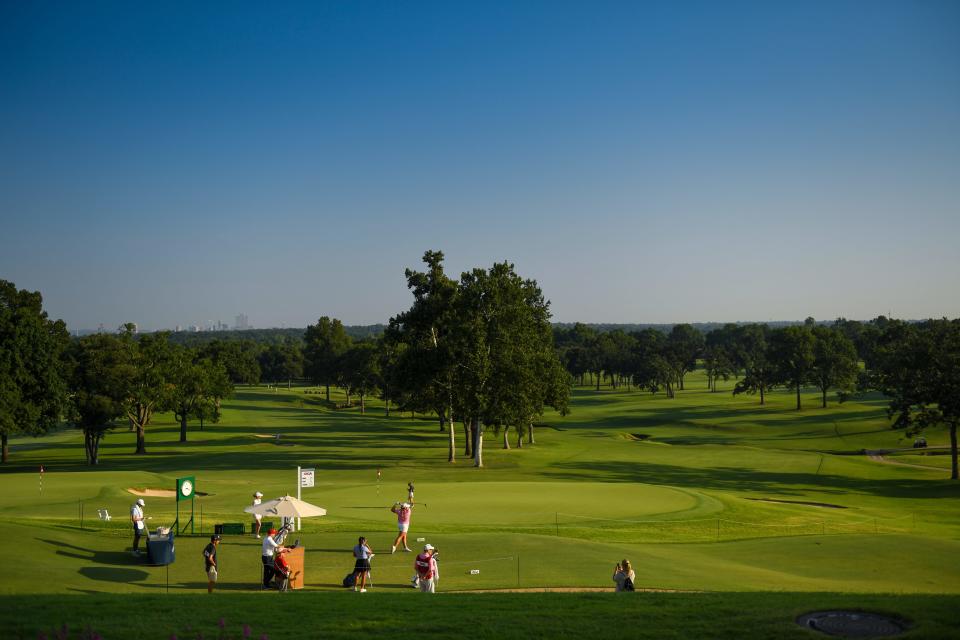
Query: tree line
[(478, 350)]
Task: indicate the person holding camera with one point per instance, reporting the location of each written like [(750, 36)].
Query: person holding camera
[(403, 510), (624, 576), (428, 573), (361, 568)]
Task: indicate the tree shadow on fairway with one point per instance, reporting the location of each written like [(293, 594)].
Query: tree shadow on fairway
[(113, 574), (114, 558), (734, 479)]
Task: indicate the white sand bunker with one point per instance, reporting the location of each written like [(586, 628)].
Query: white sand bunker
[(153, 493)]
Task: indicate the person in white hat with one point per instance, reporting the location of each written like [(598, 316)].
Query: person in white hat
[(136, 517), (427, 571), (256, 517)]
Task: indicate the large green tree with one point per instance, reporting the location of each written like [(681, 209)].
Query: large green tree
[(684, 346), (752, 355), (429, 333), (145, 378), (98, 376), (918, 368), (32, 390), (792, 355), (834, 361), (324, 343), (361, 371)]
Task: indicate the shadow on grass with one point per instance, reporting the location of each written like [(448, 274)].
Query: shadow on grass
[(735, 479)]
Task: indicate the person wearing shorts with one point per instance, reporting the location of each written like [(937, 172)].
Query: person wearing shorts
[(403, 510), (210, 561)]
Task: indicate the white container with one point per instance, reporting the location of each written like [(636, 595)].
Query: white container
[(474, 572)]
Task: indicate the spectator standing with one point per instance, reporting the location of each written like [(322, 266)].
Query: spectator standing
[(257, 517), (361, 568), (624, 576), (210, 561), (403, 511), (269, 548), (136, 517), (427, 571)]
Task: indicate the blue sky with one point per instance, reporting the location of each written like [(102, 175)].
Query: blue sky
[(644, 162)]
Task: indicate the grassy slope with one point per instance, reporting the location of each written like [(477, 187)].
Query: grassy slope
[(688, 505)]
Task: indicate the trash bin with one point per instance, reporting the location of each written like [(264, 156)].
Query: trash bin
[(160, 549)]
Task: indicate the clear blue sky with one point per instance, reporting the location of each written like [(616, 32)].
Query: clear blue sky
[(645, 162)]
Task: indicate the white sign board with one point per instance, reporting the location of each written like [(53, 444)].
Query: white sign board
[(306, 477)]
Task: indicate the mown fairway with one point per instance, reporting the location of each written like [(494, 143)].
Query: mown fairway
[(705, 492)]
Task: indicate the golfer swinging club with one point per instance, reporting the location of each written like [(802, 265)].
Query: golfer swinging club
[(403, 510)]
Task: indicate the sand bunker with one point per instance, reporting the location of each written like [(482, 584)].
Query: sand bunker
[(153, 493), (158, 493)]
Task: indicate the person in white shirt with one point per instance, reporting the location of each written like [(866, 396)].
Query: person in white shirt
[(257, 516), (136, 517), (269, 548)]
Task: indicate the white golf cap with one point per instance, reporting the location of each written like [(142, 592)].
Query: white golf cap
[(141, 502), (428, 547), (258, 495)]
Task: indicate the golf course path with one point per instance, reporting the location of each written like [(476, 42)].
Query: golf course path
[(880, 458)]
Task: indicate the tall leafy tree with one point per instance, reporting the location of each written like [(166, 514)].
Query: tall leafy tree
[(719, 359), (834, 361), (98, 375), (282, 362), (752, 354), (918, 368), (187, 390), (430, 335), (651, 368), (32, 390), (324, 343), (361, 370), (684, 345), (793, 356), (238, 357), (145, 372)]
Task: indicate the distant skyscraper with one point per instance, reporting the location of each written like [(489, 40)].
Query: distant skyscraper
[(242, 322)]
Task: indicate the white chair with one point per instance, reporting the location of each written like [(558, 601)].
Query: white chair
[(104, 514)]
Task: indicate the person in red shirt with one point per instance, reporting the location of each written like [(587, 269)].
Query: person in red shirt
[(281, 568), (427, 571)]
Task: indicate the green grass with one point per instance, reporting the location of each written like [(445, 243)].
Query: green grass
[(706, 492)]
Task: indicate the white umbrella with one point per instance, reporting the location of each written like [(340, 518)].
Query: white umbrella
[(287, 507)]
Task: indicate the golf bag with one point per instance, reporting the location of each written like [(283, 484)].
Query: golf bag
[(350, 580), (281, 573)]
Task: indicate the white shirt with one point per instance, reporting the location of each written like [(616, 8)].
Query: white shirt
[(136, 514), (269, 546), (257, 516)]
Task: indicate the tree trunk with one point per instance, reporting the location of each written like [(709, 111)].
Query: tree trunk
[(443, 420), (6, 448), (328, 392), (467, 440), (953, 451), (133, 425), (201, 423), (530, 435), (452, 454), (478, 443), (824, 389), (798, 396), (680, 381), (506, 443), (141, 441), (386, 404), (363, 406), (519, 439), (92, 446), (598, 381), (761, 394), (183, 426)]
